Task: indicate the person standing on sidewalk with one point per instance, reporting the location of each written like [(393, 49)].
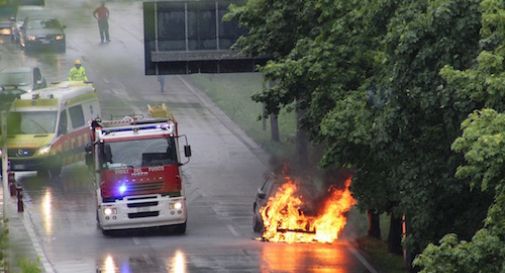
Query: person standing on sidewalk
[(102, 16)]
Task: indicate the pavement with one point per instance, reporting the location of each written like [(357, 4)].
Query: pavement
[(23, 240), (21, 233)]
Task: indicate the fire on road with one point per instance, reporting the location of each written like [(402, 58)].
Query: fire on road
[(285, 220)]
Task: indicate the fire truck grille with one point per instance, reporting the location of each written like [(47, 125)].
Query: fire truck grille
[(143, 214), (143, 204), (145, 187)]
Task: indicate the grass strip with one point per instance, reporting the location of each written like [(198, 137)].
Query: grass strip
[(377, 252), (232, 93)]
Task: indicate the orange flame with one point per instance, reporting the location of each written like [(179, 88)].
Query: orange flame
[(284, 221)]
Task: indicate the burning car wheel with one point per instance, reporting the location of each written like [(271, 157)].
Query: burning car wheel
[(257, 225), (257, 222)]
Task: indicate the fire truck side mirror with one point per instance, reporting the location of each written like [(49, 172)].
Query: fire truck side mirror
[(187, 150)]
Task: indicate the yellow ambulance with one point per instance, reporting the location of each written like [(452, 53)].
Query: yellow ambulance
[(48, 128)]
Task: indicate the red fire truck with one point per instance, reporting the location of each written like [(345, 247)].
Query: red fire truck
[(136, 164)]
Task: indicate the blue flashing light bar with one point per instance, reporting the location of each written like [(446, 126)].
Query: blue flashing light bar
[(122, 189), (130, 129)]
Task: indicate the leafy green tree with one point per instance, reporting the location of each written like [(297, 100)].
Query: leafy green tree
[(335, 53), (365, 77), (483, 149), (396, 126), (483, 143), (418, 45), (274, 29)]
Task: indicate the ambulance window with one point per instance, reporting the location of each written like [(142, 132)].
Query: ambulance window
[(76, 116), (62, 128)]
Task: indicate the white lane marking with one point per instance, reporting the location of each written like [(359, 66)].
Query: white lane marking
[(362, 259), (28, 223), (235, 233), (136, 241)]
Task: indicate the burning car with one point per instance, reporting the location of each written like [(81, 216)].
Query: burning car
[(285, 211), (269, 187), (264, 192)]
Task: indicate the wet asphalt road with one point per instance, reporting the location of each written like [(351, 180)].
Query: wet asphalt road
[(221, 179)]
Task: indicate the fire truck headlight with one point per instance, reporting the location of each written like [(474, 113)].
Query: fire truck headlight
[(108, 211), (177, 205)]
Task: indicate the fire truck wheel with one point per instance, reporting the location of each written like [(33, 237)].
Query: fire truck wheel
[(107, 232), (180, 228)]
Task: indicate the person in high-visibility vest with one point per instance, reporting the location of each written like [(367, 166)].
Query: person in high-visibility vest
[(77, 72)]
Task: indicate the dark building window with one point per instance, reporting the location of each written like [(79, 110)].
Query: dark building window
[(171, 27)]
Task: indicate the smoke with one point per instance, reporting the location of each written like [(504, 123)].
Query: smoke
[(315, 185)]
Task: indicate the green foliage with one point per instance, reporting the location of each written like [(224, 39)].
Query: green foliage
[(349, 121), (386, 85), (4, 240), (425, 123), (29, 266), (378, 253), (273, 27), (482, 144), (484, 254)]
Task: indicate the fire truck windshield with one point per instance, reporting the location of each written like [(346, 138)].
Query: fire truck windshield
[(138, 153)]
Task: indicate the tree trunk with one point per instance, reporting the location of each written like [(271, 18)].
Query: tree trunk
[(374, 228), (264, 119), (410, 251), (274, 127), (301, 137), (395, 235)]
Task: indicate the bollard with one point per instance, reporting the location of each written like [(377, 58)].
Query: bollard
[(19, 191), (12, 183)]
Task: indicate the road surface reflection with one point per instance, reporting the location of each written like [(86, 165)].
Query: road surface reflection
[(109, 266), (269, 258), (314, 258), (177, 263), (46, 211)]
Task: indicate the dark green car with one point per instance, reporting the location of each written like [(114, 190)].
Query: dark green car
[(16, 81)]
